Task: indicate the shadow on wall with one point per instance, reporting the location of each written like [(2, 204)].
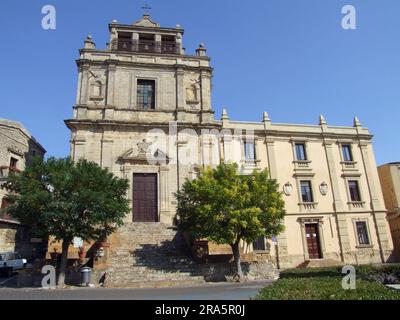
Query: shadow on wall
[(174, 256)]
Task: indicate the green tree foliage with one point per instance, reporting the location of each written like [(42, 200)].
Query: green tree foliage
[(225, 207), (66, 199)]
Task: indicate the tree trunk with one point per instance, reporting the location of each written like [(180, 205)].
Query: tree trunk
[(63, 263), (236, 257)]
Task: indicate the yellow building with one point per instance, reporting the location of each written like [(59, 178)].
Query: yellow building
[(389, 175), (144, 111)]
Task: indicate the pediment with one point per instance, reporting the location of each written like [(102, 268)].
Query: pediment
[(146, 22), (150, 157)]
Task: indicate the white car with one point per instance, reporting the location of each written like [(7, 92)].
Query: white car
[(10, 262)]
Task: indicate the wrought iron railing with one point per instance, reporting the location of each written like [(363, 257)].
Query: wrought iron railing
[(144, 46)]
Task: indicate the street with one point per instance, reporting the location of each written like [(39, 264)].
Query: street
[(231, 291)]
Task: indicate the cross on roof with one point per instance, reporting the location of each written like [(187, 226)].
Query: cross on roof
[(146, 7)]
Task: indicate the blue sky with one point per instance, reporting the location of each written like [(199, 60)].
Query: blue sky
[(288, 57)]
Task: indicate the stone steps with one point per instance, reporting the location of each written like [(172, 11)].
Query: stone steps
[(320, 263), (145, 254)]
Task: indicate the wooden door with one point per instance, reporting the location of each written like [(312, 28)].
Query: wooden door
[(145, 206), (313, 244)]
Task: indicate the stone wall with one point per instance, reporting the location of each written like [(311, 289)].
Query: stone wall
[(14, 237)]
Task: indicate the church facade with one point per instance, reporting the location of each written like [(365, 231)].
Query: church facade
[(143, 110)]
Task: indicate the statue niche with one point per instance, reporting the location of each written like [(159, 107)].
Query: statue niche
[(191, 93), (96, 90)]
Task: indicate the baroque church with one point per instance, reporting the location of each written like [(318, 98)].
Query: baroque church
[(143, 110)]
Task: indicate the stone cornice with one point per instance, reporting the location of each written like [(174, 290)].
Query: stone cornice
[(148, 54), (71, 123), (158, 30), (130, 64)]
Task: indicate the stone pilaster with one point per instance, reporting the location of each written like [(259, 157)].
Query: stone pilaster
[(106, 153), (272, 167), (205, 86), (282, 252), (180, 88), (338, 205), (84, 84), (384, 240), (79, 147), (334, 176), (157, 40), (111, 70), (164, 194), (135, 41), (344, 236)]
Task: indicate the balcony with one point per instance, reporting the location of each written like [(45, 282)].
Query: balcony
[(146, 46), (308, 206), (356, 205), (302, 165), (349, 166)]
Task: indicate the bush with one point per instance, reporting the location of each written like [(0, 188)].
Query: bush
[(326, 284)]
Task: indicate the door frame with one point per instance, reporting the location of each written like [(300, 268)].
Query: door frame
[(318, 241), (156, 174), (319, 222)]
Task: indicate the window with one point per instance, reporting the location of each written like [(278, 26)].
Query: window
[(306, 191), (13, 164), (124, 41), (146, 94), (259, 244), (362, 233), (249, 150), (346, 151), (354, 191), (300, 152)]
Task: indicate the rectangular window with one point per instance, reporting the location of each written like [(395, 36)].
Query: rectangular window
[(300, 152), (146, 94), (362, 233), (13, 164), (346, 151), (249, 150), (306, 191), (259, 244), (354, 191)]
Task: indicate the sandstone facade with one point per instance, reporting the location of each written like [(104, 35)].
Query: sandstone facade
[(17, 147), (389, 175), (143, 109)]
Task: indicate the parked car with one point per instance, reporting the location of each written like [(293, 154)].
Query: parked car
[(10, 262)]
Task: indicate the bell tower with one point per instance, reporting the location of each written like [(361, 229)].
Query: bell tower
[(143, 75), (143, 81)]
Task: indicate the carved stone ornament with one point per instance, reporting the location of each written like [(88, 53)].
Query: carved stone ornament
[(144, 146), (287, 188), (323, 188)]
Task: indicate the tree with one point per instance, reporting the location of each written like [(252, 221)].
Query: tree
[(227, 208), (66, 199)]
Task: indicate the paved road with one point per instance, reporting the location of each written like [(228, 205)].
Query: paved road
[(242, 291)]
